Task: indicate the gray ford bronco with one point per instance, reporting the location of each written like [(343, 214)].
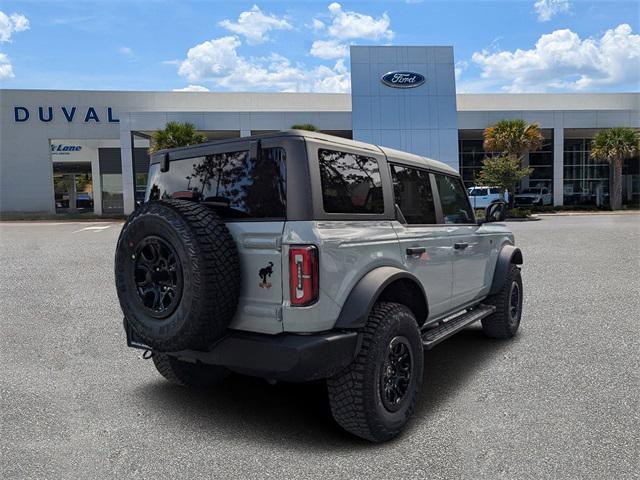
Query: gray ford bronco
[(299, 256)]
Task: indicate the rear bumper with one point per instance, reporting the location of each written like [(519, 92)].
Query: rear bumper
[(287, 356)]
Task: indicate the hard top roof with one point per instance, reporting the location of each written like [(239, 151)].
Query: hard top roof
[(393, 155)]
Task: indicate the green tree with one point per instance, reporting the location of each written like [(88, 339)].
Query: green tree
[(504, 172), (175, 134), (305, 126), (614, 146), (514, 138)]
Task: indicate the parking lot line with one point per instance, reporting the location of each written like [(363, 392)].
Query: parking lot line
[(94, 228)]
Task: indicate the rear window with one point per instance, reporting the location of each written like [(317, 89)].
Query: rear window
[(413, 195), (350, 183), (236, 186)]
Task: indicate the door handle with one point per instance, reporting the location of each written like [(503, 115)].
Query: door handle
[(460, 246), (415, 251)]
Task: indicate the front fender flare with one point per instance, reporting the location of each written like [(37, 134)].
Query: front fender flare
[(356, 309), (508, 255)]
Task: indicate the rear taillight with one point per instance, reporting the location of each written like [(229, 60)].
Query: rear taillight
[(303, 275)]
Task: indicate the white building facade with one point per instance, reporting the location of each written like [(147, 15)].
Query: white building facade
[(79, 151)]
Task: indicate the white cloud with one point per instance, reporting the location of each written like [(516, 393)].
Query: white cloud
[(347, 25), (562, 60), (125, 51), (6, 70), (210, 59), (218, 61), (10, 24), (254, 25), (547, 9), (327, 49), (317, 25), (192, 88), (460, 67)]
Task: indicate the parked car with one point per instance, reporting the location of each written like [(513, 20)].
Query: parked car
[(84, 200), (482, 197), (305, 256), (533, 196)]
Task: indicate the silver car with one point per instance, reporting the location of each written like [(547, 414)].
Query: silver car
[(300, 256)]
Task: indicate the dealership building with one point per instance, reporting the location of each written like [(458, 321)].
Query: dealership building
[(68, 151)]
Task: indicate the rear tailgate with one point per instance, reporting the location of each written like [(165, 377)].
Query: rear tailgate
[(260, 307)]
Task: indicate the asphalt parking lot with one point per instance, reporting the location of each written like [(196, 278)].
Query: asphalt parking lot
[(561, 400)]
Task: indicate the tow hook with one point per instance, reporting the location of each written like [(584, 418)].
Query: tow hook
[(147, 354)]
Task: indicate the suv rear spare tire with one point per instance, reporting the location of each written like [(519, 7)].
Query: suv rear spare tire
[(177, 275)]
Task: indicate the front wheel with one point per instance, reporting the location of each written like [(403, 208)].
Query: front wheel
[(187, 374), (376, 394), (504, 322)]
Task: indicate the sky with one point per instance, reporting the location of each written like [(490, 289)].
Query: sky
[(499, 46)]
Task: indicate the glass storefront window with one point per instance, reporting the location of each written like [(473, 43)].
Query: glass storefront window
[(73, 187), (586, 181), (112, 201), (472, 155)]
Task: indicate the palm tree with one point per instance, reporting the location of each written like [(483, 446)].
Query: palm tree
[(614, 146), (305, 126), (175, 134), (512, 139)]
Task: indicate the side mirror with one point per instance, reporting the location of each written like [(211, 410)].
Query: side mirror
[(495, 212)]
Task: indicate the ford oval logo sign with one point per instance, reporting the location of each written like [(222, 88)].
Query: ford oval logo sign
[(403, 79)]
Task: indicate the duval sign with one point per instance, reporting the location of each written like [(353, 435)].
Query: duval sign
[(47, 114), (402, 79)]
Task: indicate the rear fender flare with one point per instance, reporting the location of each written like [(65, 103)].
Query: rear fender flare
[(365, 294), (508, 255)]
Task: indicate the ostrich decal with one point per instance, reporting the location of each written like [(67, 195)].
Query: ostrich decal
[(265, 273)]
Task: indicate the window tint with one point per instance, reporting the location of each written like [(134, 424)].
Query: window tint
[(455, 204), (412, 193), (495, 191), (236, 185), (350, 183)]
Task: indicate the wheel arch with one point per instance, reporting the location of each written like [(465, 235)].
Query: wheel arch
[(508, 255), (390, 284)]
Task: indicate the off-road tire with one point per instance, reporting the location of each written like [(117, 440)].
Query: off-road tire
[(501, 323), (210, 275), (197, 375), (355, 393)]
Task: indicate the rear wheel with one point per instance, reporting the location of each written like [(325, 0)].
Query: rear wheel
[(198, 375), (376, 394), (504, 322)]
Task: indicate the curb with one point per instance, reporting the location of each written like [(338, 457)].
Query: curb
[(577, 214)]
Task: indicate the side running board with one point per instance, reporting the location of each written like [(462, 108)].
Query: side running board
[(433, 336)]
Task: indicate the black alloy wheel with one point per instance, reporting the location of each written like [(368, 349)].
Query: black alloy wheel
[(397, 370), (514, 303), (158, 276)]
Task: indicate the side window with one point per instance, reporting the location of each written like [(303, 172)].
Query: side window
[(455, 204), (350, 183), (495, 191), (412, 193)]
